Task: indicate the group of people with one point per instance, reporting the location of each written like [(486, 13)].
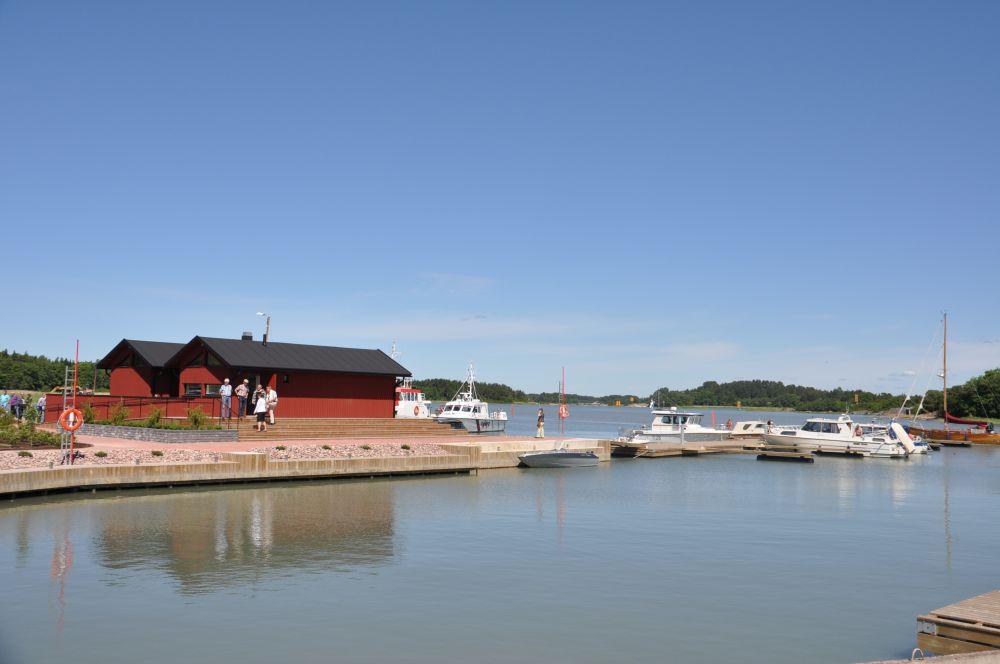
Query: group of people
[(16, 405), (263, 402)]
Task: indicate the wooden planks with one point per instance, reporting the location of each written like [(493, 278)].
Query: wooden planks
[(967, 626)]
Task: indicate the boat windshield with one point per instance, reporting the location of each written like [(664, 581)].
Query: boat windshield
[(813, 426)]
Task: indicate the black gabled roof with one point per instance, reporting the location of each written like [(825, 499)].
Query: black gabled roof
[(280, 356), (155, 353)]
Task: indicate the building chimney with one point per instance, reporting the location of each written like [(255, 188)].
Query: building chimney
[(247, 336)]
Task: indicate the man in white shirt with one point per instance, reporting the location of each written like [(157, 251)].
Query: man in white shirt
[(272, 403), (226, 396)]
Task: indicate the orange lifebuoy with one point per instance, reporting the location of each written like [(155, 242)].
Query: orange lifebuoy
[(77, 419), (416, 410), (563, 411)]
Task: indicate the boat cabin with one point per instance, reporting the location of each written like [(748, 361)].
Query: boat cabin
[(840, 425)]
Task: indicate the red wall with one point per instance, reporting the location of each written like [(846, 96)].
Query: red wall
[(304, 395), (131, 381)]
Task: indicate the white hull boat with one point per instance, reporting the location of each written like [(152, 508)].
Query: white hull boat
[(467, 411), (672, 426), (841, 436)]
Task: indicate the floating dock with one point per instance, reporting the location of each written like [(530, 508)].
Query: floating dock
[(657, 450), (971, 625)]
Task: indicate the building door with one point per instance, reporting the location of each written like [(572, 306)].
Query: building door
[(254, 381)]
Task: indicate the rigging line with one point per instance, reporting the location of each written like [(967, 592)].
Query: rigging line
[(923, 368)]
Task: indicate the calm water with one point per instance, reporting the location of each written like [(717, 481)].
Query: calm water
[(687, 560)]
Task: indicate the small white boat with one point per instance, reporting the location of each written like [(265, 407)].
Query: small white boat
[(410, 402), (841, 436), (673, 426), (560, 458), (749, 429), (467, 411)]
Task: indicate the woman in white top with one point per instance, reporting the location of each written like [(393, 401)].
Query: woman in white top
[(260, 410)]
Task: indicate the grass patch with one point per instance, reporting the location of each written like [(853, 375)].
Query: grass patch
[(326, 447), (25, 453), (280, 448), (157, 453), (100, 454), (366, 447), (404, 446)]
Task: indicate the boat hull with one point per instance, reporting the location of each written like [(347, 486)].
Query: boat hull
[(473, 425), (705, 437), (955, 436), (558, 459), (833, 446)]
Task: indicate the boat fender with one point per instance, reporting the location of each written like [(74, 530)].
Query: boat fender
[(416, 410)]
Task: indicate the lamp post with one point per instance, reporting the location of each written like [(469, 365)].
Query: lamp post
[(267, 324)]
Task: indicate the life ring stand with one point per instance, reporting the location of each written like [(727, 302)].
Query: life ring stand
[(77, 419)]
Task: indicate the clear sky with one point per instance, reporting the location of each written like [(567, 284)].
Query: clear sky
[(649, 193)]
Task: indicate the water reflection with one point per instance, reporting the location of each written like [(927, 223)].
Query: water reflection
[(211, 539)]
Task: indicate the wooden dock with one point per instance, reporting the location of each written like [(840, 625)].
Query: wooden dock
[(971, 625), (658, 450), (776, 455)]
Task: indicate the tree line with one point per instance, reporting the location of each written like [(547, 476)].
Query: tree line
[(978, 397), (22, 371)]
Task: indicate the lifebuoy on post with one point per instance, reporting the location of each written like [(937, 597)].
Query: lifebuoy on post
[(71, 419), (416, 410)]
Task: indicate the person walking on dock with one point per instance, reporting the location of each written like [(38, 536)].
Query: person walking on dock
[(226, 400), (540, 430), (242, 392), (272, 403), (260, 409)]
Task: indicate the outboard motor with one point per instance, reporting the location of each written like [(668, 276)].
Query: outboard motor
[(899, 433)]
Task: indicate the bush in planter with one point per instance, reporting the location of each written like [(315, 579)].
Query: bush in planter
[(326, 447), (196, 418), (119, 415), (157, 453), (100, 454), (404, 446), (366, 447), (154, 418), (25, 453), (280, 448), (88, 414)]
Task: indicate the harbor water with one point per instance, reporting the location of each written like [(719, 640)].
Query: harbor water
[(704, 559)]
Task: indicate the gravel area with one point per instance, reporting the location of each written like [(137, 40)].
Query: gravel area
[(351, 451), (42, 458)]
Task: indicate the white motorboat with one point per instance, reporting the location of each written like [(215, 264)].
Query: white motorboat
[(673, 426), (884, 430), (560, 458), (841, 436), (410, 402), (467, 411), (749, 429)]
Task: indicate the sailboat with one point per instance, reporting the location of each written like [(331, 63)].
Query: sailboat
[(981, 432)]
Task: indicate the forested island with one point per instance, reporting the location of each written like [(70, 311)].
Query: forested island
[(978, 397)]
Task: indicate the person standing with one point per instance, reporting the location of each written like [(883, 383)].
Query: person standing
[(260, 409), (40, 407), (272, 402), (540, 430), (242, 392), (17, 406), (5, 401), (226, 398)]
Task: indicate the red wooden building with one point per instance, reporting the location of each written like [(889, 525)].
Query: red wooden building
[(311, 381)]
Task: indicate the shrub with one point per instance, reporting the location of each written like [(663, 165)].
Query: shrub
[(404, 446), (119, 415), (366, 447), (154, 419), (157, 453), (88, 414), (281, 448), (100, 453), (196, 418), (25, 453), (6, 419), (326, 447)]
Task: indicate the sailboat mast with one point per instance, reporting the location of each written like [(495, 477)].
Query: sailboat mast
[(944, 373)]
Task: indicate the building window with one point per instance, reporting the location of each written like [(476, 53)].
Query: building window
[(212, 390), (192, 389), (213, 361), (197, 361), (284, 378)]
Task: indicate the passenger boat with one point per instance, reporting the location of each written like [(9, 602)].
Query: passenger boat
[(880, 429), (467, 411), (980, 432), (674, 426), (841, 436), (560, 458), (410, 402)]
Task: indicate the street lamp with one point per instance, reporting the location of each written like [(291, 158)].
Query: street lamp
[(267, 324)]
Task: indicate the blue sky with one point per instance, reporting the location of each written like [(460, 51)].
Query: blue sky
[(651, 194)]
